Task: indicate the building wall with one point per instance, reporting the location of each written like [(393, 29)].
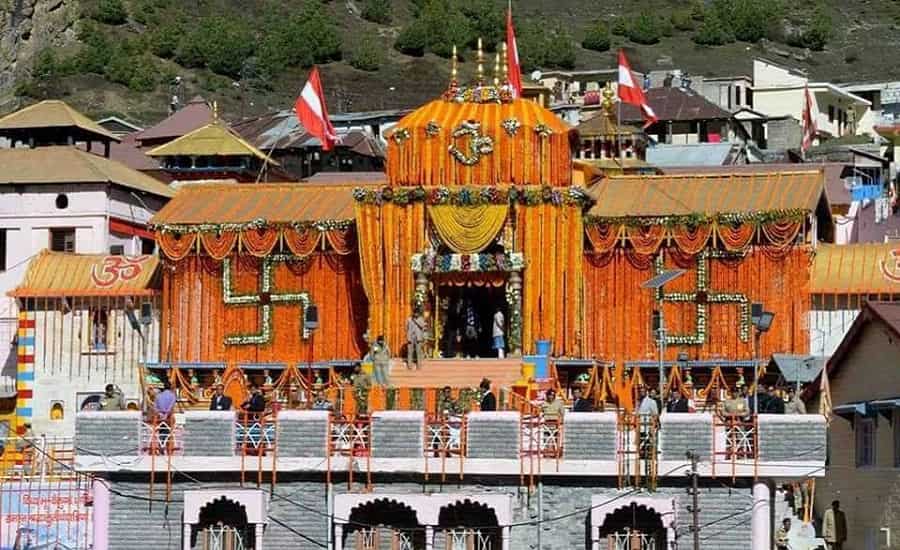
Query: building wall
[(870, 496), (828, 327), (65, 367), (299, 520)]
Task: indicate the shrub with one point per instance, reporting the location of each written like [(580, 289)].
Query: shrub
[(440, 26), (164, 40), (819, 32), (487, 21), (645, 29), (377, 11), (412, 40), (713, 31), (111, 12), (683, 20), (597, 37), (96, 50), (299, 40), (366, 53), (545, 45), (620, 26)]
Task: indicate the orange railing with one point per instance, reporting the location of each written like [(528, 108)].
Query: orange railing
[(255, 435), (637, 441), (445, 438), (44, 457), (741, 441), (350, 437), (159, 435)]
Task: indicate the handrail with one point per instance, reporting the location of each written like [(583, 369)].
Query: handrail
[(351, 437), (445, 436), (741, 437)]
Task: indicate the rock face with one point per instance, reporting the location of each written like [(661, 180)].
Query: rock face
[(26, 28)]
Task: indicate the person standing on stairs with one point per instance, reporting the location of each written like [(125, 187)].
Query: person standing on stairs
[(498, 332), (381, 360), (415, 340)]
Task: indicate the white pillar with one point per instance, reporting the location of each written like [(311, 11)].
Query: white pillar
[(595, 537), (338, 536), (259, 537), (762, 516), (429, 537), (504, 537), (186, 537)]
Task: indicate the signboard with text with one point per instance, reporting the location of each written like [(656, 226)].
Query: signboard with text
[(52, 515)]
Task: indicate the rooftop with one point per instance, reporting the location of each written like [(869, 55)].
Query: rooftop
[(53, 113), (56, 274), (193, 115), (213, 140), (675, 104), (64, 164), (861, 268), (700, 155)]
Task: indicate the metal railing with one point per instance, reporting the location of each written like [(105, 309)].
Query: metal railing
[(468, 539), (445, 437), (161, 436), (637, 449), (631, 540), (735, 438), (351, 438), (42, 457)]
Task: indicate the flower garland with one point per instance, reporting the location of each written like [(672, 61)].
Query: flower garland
[(697, 218), (429, 262), (264, 298), (479, 94), (702, 297), (474, 196), (514, 301), (259, 223), (478, 146)]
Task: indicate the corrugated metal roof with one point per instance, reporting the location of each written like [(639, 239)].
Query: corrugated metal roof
[(52, 113), (798, 368), (695, 154), (59, 274), (284, 130), (64, 164), (213, 140), (861, 268), (675, 104), (674, 195), (193, 115), (280, 203)]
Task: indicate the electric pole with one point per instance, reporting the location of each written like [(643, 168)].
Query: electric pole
[(695, 497)]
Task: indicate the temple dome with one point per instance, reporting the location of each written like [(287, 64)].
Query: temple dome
[(481, 140)]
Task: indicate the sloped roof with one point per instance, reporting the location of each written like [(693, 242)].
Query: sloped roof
[(65, 164), (53, 113), (693, 154), (798, 368), (128, 153), (860, 268), (52, 274), (193, 115), (276, 203), (605, 126), (675, 104), (214, 139), (677, 195)]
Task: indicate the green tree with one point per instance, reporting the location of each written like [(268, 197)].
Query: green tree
[(413, 39), (164, 39), (683, 20), (96, 50), (597, 37), (645, 29), (299, 40), (749, 20), (487, 21), (545, 45), (819, 32), (366, 53), (713, 31), (111, 12), (377, 11)]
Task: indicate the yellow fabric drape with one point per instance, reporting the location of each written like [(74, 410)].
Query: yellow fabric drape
[(371, 261), (468, 229)]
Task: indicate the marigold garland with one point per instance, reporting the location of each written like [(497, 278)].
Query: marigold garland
[(475, 195)]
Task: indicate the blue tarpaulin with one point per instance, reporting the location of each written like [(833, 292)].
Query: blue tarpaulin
[(866, 192)]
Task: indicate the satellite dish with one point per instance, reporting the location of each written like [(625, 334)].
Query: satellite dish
[(536, 75)]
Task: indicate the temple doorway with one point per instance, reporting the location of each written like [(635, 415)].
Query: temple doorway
[(384, 525), (467, 525), (633, 527), (467, 307), (224, 526)]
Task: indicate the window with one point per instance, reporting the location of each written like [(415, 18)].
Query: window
[(57, 412), (737, 96), (2, 249), (117, 250), (896, 438), (148, 246), (62, 240), (865, 441), (62, 201), (831, 113), (98, 331)]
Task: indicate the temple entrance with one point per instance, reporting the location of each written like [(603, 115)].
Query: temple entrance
[(633, 527), (467, 307), (467, 526), (384, 525), (223, 526)]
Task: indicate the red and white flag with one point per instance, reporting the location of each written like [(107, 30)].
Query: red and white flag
[(630, 92), (512, 60), (809, 121), (311, 110)]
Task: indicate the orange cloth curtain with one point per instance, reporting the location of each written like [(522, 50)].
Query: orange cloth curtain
[(603, 236), (468, 229), (388, 236), (218, 245), (551, 238), (260, 243), (301, 242), (618, 310), (176, 245), (195, 320), (647, 239)]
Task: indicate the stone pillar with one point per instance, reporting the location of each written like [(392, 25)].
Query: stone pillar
[(186, 537), (761, 534), (514, 299), (338, 536), (100, 514), (504, 537), (259, 537), (429, 537)]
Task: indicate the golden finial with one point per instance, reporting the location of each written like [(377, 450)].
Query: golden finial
[(454, 68), (608, 103), (497, 70), (480, 63), (215, 112), (504, 62)]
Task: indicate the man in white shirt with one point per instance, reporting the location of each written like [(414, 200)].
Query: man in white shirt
[(498, 333), (647, 405)]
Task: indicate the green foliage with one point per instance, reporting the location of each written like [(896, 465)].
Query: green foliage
[(299, 40), (487, 21), (597, 37), (683, 20), (412, 40), (749, 20), (377, 11), (96, 50), (366, 53), (819, 31), (165, 39), (44, 76), (219, 43), (545, 45), (645, 29), (441, 25), (111, 12), (620, 26), (713, 31)]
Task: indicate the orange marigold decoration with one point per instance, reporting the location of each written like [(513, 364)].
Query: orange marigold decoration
[(735, 238), (218, 244), (259, 242), (603, 236), (692, 239), (301, 241), (342, 241), (781, 234), (176, 246), (646, 238)]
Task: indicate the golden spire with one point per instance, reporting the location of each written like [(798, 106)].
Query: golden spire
[(504, 62), (480, 63), (497, 70), (454, 68), (215, 109)]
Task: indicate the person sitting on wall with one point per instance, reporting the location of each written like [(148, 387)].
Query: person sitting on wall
[(488, 399), (112, 399), (579, 402), (220, 401)]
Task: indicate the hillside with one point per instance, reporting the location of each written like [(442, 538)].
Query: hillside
[(123, 56)]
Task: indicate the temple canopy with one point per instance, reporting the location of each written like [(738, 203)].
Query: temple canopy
[(213, 140), (860, 268), (53, 116), (55, 274)]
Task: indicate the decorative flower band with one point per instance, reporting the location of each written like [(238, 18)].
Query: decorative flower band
[(473, 196), (428, 262)]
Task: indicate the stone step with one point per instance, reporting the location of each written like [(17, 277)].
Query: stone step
[(457, 373)]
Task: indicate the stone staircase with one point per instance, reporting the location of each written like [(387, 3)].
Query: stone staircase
[(456, 373), (802, 536)]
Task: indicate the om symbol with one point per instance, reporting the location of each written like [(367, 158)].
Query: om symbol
[(116, 268), (478, 145), (891, 271)]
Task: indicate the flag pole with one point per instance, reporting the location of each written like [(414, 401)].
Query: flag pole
[(619, 132)]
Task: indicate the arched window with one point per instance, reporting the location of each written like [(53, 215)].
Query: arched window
[(57, 411)]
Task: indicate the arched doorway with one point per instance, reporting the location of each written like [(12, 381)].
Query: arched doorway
[(467, 525), (223, 525), (633, 527), (384, 524)]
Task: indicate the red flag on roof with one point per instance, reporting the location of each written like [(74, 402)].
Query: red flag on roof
[(311, 110), (512, 60), (809, 123), (630, 92)]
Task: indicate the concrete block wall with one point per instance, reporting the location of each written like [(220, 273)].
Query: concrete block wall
[(209, 433), (108, 433), (683, 432), (303, 434), (398, 434), (493, 435), (792, 438), (590, 436)]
